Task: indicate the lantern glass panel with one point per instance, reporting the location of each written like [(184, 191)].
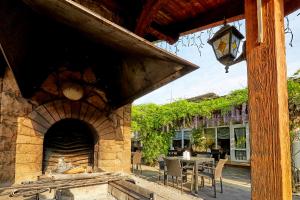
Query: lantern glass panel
[(235, 43), (221, 45)]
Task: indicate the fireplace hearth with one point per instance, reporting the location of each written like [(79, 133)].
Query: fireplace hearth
[(72, 140), (104, 186)]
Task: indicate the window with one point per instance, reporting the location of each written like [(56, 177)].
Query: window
[(240, 138), (177, 140), (240, 143), (209, 134), (223, 133), (187, 138)]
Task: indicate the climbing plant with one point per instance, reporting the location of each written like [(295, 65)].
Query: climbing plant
[(156, 124)]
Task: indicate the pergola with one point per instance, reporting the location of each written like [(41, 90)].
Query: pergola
[(167, 20)]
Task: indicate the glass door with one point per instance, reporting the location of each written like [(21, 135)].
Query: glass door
[(240, 143)]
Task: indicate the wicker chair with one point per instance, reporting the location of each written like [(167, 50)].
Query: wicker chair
[(213, 173), (137, 161), (174, 169), (161, 165)]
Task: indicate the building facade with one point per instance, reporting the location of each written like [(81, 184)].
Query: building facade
[(228, 132)]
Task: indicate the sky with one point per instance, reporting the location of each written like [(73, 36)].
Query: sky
[(211, 76)]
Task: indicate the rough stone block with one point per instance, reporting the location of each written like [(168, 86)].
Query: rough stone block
[(30, 176), (9, 131), (24, 139), (44, 112), (83, 110), (7, 174), (75, 110), (7, 158), (29, 148), (89, 114), (52, 110), (23, 158), (60, 109), (108, 156), (28, 168), (33, 125), (35, 116), (24, 130)]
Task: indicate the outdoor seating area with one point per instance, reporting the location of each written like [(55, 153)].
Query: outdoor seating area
[(185, 170), (235, 182)]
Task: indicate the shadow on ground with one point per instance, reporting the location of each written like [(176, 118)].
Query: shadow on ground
[(236, 184)]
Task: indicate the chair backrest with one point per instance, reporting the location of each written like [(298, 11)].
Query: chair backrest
[(173, 167), (161, 161), (137, 157), (161, 164), (219, 168), (215, 154)]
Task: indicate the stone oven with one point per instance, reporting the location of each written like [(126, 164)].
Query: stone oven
[(35, 134), (67, 80)]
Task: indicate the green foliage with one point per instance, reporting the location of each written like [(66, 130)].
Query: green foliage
[(150, 119), (241, 142), (155, 144), (157, 123), (199, 140)]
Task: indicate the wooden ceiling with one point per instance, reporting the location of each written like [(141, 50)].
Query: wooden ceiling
[(168, 19), (43, 37)]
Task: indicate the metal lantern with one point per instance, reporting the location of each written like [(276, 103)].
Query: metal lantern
[(226, 43)]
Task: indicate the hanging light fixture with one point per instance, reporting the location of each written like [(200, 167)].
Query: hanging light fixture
[(225, 43)]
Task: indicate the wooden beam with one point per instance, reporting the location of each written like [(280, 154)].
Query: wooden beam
[(291, 6), (231, 9), (234, 11), (268, 103), (162, 36), (147, 15)]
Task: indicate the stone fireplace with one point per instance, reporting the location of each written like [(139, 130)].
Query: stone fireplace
[(68, 77), (36, 132)]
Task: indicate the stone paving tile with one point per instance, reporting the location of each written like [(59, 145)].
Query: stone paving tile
[(237, 186)]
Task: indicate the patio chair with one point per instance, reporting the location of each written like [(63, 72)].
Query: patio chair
[(174, 169), (215, 153), (137, 161), (161, 165), (214, 173)]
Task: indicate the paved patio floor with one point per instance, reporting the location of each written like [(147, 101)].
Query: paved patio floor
[(236, 182)]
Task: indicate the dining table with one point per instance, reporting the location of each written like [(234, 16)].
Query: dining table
[(195, 162)]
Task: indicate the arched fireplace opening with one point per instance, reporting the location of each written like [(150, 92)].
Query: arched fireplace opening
[(71, 139)]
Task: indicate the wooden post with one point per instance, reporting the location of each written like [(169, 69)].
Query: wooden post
[(268, 102)]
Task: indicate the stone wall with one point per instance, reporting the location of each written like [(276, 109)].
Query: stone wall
[(25, 122), (13, 106)]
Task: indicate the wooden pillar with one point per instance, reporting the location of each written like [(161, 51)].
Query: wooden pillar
[(268, 102)]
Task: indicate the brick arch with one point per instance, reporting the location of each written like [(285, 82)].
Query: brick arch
[(44, 116), (32, 128)]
